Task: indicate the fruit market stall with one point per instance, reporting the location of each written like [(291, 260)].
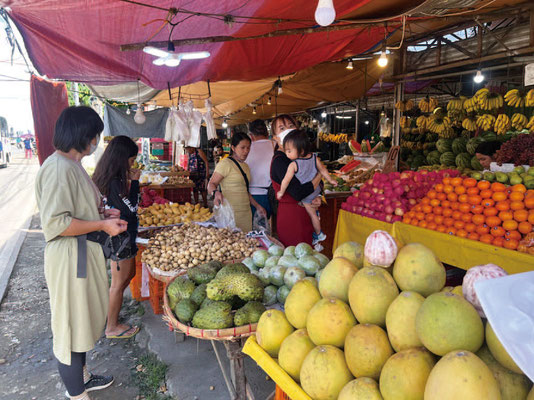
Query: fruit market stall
[(381, 324)]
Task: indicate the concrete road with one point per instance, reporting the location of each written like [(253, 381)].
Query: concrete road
[(17, 205)]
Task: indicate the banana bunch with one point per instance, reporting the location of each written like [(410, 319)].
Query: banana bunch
[(421, 122), (519, 121), (469, 124), (471, 105), (333, 138), (502, 124), (529, 98), (530, 125), (514, 98), (487, 100), (486, 122), (406, 105), (456, 104), (428, 104), (439, 125), (432, 103), (405, 122)]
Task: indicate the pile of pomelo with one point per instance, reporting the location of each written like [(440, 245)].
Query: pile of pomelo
[(388, 330)]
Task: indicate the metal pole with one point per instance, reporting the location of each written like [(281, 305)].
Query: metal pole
[(75, 94), (399, 96), (357, 121)]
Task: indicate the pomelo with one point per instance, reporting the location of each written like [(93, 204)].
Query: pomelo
[(300, 301), (446, 322), (417, 269), (400, 321), (367, 349), (336, 277), (293, 351), (329, 321), (461, 375), (361, 388), (499, 352), (324, 373), (273, 327), (371, 292), (352, 251)]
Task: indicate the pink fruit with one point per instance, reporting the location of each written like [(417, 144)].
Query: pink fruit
[(475, 274), (380, 248)]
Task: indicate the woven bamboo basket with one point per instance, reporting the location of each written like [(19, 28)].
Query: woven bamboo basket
[(208, 334)]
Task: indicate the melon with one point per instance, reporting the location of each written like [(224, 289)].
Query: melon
[(371, 292), (367, 349), (323, 260), (463, 160), (404, 374), (293, 351), (300, 301), (499, 352), (475, 274), (472, 145), (324, 373), (448, 158), (380, 248), (475, 164), (417, 269), (459, 145), (400, 321), (461, 375), (446, 322), (273, 327), (352, 251), (512, 386), (336, 277), (329, 321), (361, 388), (444, 145), (432, 158)]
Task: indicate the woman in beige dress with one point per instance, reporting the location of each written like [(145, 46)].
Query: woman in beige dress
[(70, 206), (233, 176)]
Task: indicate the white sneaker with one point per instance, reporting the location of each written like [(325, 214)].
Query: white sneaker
[(318, 247)]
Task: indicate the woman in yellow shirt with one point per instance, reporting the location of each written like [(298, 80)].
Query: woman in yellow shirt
[(233, 176)]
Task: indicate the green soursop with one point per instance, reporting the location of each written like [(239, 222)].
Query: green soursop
[(202, 274), (180, 288), (185, 309), (216, 264), (207, 302), (199, 294), (232, 269), (216, 315), (250, 313), (247, 287)]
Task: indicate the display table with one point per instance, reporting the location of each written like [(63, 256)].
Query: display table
[(452, 250), (329, 216)]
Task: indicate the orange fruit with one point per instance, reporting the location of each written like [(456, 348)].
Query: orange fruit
[(434, 202), (521, 215), (497, 231), (441, 228), (431, 194), (478, 219), (477, 209), (438, 210), (456, 215), (406, 220), (529, 193), (470, 182), (425, 200), (517, 205), (516, 196), (502, 205), (448, 222), (488, 203), (486, 238), (476, 199), (427, 209), (486, 193), (446, 204), (529, 202), (466, 217), (498, 241), (472, 191), (464, 207), (499, 196), (511, 244), (448, 189), (498, 187), (493, 221), (417, 208), (447, 212), (483, 230), (459, 189), (459, 224), (414, 222), (420, 216), (461, 233), (531, 218), (439, 187), (422, 224), (463, 198), (432, 225), (441, 196), (483, 185), (447, 180), (456, 181), (524, 227), (470, 227), (510, 225), (519, 188), (473, 236), (490, 212), (451, 231), (455, 205), (513, 235), (438, 219)]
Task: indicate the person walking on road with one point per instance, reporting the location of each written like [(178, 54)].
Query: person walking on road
[(28, 150), (70, 207)]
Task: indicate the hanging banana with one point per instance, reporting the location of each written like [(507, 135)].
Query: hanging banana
[(502, 124), (519, 121), (514, 98)]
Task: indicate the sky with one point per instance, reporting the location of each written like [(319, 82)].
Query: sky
[(14, 96)]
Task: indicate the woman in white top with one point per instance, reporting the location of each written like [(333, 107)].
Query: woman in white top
[(259, 161)]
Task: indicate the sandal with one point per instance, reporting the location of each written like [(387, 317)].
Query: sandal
[(125, 334)]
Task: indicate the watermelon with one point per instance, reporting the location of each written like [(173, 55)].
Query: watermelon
[(417, 162), (459, 145), (448, 158), (475, 164), (433, 157), (463, 160), (472, 144), (444, 145), (489, 136)]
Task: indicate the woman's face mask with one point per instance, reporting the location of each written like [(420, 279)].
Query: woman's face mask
[(93, 147), (282, 135)]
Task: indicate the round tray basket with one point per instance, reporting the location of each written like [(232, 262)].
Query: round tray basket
[(231, 334)]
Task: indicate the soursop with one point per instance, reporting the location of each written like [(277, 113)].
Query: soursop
[(250, 313), (216, 264), (217, 315), (208, 302), (199, 294), (185, 310), (202, 274), (232, 269), (179, 289), (247, 287)]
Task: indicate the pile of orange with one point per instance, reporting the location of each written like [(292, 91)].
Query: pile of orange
[(491, 213)]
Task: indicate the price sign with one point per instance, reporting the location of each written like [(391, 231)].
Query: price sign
[(391, 161)]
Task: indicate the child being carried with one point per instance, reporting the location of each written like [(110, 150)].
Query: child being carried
[(304, 166)]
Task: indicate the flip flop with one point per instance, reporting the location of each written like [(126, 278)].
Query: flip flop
[(124, 335)]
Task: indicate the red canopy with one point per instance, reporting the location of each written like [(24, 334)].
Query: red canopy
[(80, 40)]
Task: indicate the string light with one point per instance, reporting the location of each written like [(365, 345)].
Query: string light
[(224, 124), (478, 77), (349, 65), (323, 114)]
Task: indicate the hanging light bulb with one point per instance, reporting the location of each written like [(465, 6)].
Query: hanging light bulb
[(349, 65), (139, 117), (280, 90), (128, 111), (478, 77), (325, 12), (254, 110), (323, 114), (269, 101), (224, 124), (383, 59)]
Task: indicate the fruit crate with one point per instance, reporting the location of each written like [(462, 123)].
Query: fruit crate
[(156, 294), (182, 195), (135, 283)]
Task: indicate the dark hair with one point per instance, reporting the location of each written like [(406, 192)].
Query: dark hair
[(237, 138), (258, 128), (114, 164), (75, 128), (300, 140), (488, 148), (285, 118)]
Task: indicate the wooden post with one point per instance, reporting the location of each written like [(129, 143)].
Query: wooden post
[(399, 96), (237, 368), (480, 37), (438, 53), (532, 27)]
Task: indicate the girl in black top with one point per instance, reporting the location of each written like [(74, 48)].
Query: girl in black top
[(119, 184)]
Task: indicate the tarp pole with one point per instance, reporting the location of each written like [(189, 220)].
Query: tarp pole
[(399, 96)]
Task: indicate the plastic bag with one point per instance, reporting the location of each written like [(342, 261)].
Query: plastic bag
[(224, 215), (261, 224)]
